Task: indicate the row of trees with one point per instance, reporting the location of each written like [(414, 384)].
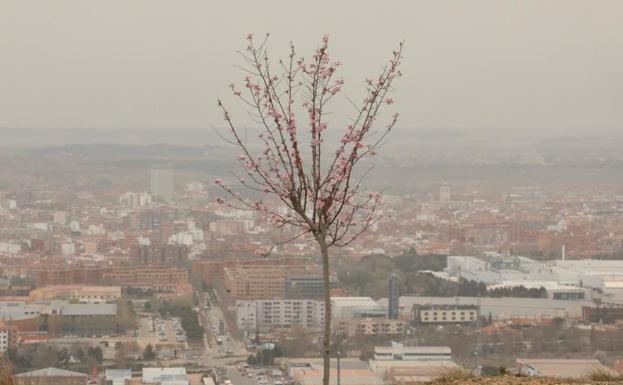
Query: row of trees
[(76, 357), (37, 356), (370, 275), (189, 319)]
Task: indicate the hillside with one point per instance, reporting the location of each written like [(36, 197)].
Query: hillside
[(513, 380)]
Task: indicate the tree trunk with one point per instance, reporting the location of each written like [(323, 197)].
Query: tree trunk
[(326, 342)]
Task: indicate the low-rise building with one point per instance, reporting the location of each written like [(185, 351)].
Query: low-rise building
[(51, 376), (399, 352), (502, 308), (347, 308), (117, 376), (165, 376), (606, 314), (88, 319), (97, 294), (378, 326), (430, 314), (352, 371), (560, 367), (416, 360)]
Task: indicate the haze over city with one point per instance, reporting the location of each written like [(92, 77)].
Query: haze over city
[(529, 66), (414, 192)]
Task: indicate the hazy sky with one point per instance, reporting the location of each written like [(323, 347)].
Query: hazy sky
[(538, 65)]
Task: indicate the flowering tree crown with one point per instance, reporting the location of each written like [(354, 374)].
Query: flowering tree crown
[(323, 198)]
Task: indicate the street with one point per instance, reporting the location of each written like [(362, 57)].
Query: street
[(221, 349)]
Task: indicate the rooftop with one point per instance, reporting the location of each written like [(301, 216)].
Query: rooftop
[(90, 309), (51, 372), (566, 368)]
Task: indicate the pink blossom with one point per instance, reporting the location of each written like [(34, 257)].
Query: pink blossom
[(218, 181), (220, 201), (276, 166)]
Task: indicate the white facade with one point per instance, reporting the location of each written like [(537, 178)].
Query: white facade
[(399, 352), (438, 315), (187, 237), (504, 270), (74, 226), (68, 248), (195, 187), (10, 248), (43, 226), (134, 199), (165, 376), (370, 327), (4, 340), (279, 313)]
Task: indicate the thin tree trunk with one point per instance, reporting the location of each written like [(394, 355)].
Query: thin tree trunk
[(326, 342)]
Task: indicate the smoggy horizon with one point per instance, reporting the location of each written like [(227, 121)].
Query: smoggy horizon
[(483, 67)]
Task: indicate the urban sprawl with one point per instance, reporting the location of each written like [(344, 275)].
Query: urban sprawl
[(163, 286)]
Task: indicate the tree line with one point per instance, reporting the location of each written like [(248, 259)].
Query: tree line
[(369, 277)]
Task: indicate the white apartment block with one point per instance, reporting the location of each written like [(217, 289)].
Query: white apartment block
[(8, 337), (432, 314), (4, 340), (279, 313), (370, 327)]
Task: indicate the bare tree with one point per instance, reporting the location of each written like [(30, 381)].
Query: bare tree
[(6, 375), (322, 195)]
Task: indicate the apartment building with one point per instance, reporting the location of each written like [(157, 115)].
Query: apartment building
[(8, 337), (154, 277), (279, 313), (68, 276), (214, 269), (158, 254), (255, 283)]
